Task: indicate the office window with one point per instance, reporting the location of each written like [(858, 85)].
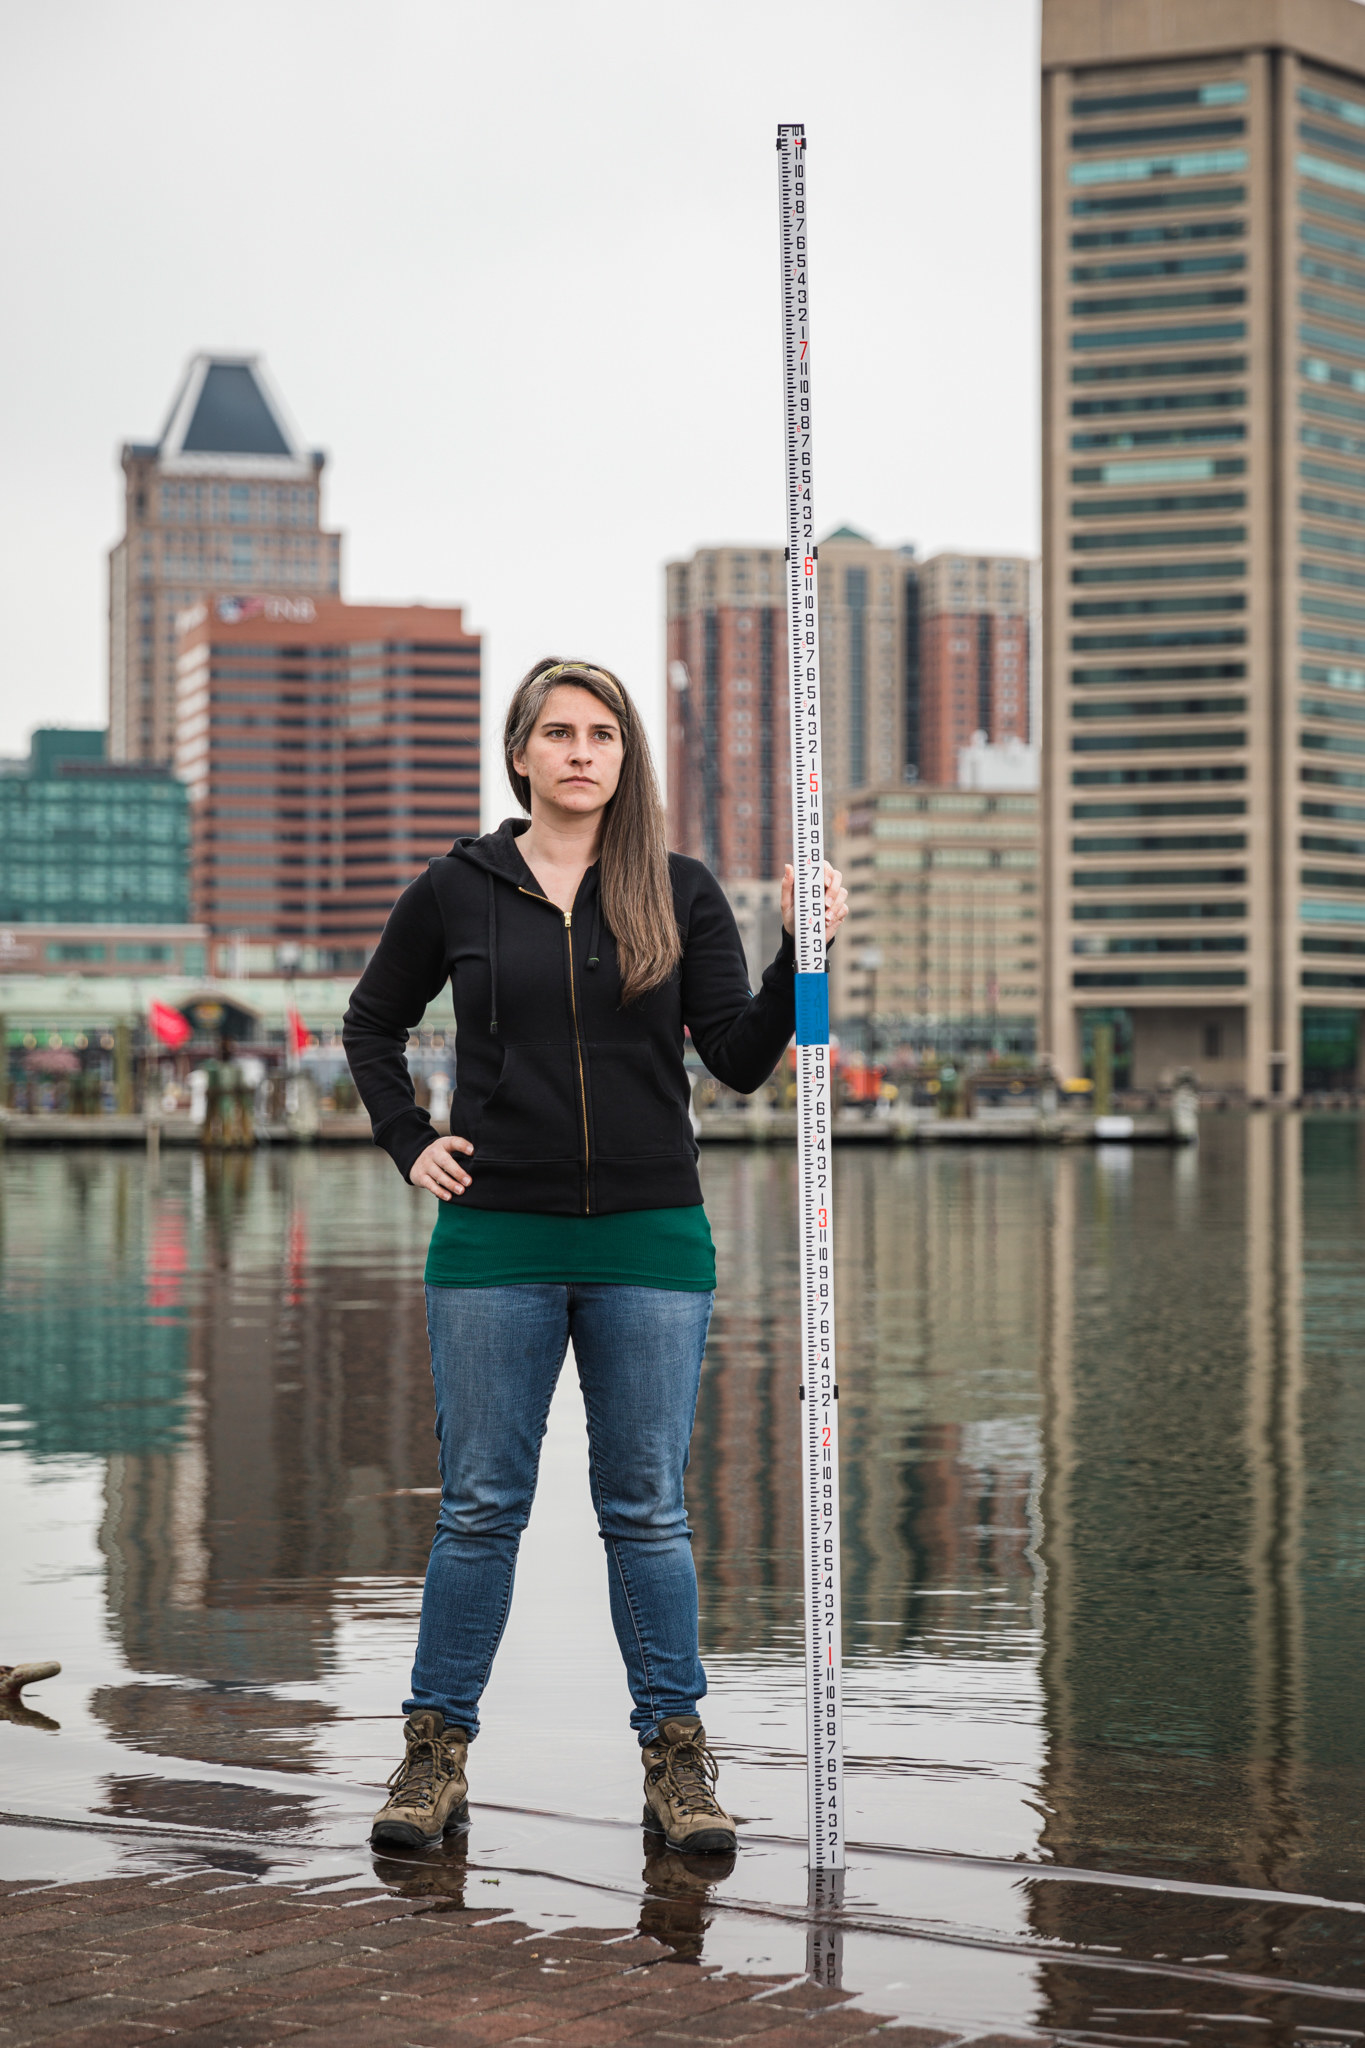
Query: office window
[(1158, 234), (1162, 537), (1194, 163), (1154, 742), (1166, 437), (1319, 371), (1154, 878), (1160, 366), (1156, 572), (1223, 92), (1158, 266), (1313, 707), (1162, 913), (1153, 607), (1153, 842), (1187, 978), (1327, 138), (1164, 131), (1222, 772), (1160, 337), (1206, 501), (1161, 707), (1159, 201), (1110, 307)]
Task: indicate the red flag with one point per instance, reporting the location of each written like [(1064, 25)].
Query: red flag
[(297, 1030), (168, 1025)]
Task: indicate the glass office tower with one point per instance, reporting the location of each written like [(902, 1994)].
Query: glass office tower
[(1204, 537)]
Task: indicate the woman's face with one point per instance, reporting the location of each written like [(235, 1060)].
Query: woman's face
[(572, 759)]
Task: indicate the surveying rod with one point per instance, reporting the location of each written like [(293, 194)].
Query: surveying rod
[(819, 1390)]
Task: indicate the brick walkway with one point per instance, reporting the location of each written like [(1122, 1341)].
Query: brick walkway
[(209, 1962)]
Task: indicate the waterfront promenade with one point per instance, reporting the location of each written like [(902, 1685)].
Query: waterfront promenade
[(214, 1961)]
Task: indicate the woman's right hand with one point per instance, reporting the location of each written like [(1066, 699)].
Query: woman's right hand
[(437, 1171)]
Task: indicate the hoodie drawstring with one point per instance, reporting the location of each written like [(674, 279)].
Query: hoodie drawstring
[(595, 928), (492, 958)]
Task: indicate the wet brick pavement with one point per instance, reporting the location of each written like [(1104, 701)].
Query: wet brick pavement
[(211, 1961)]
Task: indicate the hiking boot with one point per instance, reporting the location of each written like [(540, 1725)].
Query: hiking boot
[(679, 1803), (427, 1793)]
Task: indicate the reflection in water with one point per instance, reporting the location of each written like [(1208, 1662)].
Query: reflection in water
[(195, 1802), (12, 1709), (678, 1890), (441, 1872), (214, 1722), (101, 1370), (1202, 1541), (939, 1292), (1103, 1425)]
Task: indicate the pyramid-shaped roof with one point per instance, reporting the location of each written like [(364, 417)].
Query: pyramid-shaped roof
[(232, 416), (227, 412)]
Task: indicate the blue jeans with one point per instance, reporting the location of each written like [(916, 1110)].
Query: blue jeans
[(496, 1354)]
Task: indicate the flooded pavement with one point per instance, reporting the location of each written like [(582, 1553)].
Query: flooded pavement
[(1103, 1420)]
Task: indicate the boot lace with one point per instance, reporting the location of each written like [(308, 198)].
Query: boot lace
[(687, 1773), (426, 1766)]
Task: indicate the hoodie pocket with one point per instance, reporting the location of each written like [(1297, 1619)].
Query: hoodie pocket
[(534, 1112), (634, 1114)]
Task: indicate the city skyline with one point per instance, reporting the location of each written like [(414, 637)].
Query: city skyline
[(437, 419)]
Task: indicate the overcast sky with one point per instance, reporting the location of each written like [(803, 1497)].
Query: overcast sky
[(515, 267)]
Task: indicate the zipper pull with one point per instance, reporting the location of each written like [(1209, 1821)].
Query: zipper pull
[(568, 920)]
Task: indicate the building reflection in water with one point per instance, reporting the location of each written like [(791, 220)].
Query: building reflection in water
[(1203, 1539), (940, 1287), (257, 1384)]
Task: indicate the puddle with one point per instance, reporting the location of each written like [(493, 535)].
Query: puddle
[(1103, 1432)]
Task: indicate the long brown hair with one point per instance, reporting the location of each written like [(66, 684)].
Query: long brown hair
[(633, 878)]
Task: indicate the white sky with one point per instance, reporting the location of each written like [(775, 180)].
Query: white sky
[(516, 268)]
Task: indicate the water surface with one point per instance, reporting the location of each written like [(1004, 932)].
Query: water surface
[(1103, 1419)]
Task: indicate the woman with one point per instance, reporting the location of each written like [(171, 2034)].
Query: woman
[(577, 948)]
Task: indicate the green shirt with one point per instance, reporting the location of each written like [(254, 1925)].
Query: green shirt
[(637, 1248)]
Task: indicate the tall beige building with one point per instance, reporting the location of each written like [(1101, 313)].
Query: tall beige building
[(941, 946), (1204, 536), (228, 500)]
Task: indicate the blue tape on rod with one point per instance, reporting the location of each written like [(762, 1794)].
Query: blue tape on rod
[(812, 1009)]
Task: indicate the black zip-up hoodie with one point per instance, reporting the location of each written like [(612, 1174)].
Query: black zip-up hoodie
[(575, 1104)]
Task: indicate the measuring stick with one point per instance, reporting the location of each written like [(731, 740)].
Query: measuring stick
[(819, 1391)]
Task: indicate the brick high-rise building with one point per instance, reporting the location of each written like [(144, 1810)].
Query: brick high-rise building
[(330, 750), (729, 779), (1204, 514), (975, 644), (227, 499)]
